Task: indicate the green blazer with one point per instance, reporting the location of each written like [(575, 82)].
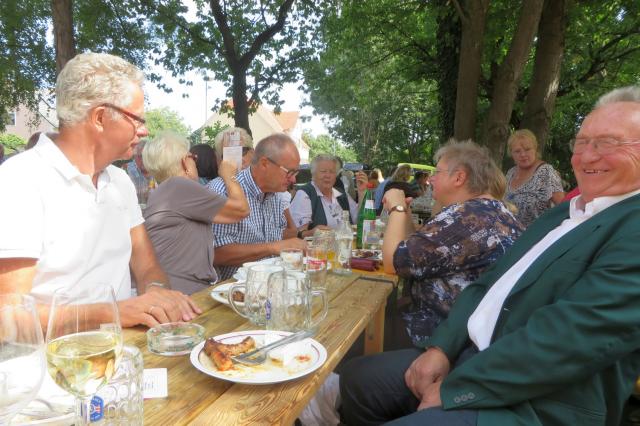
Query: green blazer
[(566, 347)]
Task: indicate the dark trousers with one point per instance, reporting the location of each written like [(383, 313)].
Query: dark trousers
[(373, 391)]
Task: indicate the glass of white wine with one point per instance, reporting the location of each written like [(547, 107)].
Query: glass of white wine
[(22, 363), (84, 343)]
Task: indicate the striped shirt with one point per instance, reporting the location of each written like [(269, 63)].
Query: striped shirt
[(264, 224)]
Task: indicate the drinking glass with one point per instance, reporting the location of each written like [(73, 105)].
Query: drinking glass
[(317, 264), (22, 363), (292, 259), (84, 343), (289, 304), (327, 237), (255, 292)]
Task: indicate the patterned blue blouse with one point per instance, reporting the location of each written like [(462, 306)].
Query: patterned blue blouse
[(447, 254)]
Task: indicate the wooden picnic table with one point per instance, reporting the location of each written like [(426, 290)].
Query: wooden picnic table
[(356, 303)]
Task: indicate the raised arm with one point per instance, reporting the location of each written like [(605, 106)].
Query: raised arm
[(236, 208)]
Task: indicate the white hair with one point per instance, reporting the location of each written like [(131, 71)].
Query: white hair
[(162, 156), (623, 94), (245, 139), (324, 157), (90, 79)]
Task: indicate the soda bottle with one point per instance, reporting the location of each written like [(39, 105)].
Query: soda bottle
[(366, 216), (344, 243)]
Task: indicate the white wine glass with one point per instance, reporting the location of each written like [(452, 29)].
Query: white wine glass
[(83, 343), (22, 363)]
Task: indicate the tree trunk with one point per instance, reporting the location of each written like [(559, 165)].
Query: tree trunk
[(469, 68), (63, 33), (508, 78), (447, 47), (240, 105), (542, 93)]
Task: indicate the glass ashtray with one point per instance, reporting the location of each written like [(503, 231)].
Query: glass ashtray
[(174, 338)]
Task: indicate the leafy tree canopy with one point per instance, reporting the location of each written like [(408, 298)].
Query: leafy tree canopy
[(162, 119), (325, 144)]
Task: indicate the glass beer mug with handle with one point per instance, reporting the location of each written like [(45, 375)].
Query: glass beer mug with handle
[(289, 305), (255, 292), (84, 343), (22, 364)]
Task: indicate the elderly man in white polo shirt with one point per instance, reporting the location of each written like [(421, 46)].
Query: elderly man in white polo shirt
[(70, 219)]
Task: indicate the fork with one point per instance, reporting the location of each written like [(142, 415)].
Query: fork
[(259, 356)]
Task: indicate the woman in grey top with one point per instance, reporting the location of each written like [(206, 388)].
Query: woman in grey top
[(180, 212)]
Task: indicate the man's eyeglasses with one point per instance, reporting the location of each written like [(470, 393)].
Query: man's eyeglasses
[(139, 121), (193, 156), (290, 173), (602, 146)]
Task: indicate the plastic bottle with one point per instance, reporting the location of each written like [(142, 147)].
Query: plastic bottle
[(344, 244), (366, 217)]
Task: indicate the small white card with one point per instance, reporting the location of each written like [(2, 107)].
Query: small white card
[(233, 154), (154, 383)]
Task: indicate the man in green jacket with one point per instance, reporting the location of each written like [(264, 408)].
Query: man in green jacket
[(550, 335)]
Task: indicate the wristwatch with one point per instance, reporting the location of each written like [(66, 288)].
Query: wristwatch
[(398, 208)]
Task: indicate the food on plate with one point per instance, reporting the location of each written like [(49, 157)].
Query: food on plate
[(221, 353), (366, 254), (237, 296)]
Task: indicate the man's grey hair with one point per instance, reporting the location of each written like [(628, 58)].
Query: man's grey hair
[(245, 139), (162, 156), (623, 94), (473, 159), (272, 147), (324, 157), (91, 79)]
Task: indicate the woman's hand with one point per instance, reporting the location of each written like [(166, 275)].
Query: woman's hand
[(361, 181), (227, 170), (394, 197)]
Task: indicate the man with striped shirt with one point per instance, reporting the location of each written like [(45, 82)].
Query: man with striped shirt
[(274, 166)]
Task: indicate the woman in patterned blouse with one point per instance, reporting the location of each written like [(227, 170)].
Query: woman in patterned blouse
[(472, 231), (532, 184)]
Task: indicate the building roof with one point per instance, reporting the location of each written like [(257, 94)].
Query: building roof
[(287, 119)]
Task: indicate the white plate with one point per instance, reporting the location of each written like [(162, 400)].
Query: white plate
[(266, 373), (219, 294)]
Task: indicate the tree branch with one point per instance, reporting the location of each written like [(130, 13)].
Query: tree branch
[(267, 34), (227, 36)]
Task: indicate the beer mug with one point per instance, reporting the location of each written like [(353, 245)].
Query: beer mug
[(255, 292), (289, 305)]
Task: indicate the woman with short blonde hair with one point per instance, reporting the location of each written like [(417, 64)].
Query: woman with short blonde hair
[(533, 186), (180, 212)]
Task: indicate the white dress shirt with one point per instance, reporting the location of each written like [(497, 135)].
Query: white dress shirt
[(482, 322)]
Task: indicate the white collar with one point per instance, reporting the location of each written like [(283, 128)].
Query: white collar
[(51, 153), (596, 205), (334, 192)]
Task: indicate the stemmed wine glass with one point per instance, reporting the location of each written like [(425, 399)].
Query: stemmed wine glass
[(84, 343), (22, 363)]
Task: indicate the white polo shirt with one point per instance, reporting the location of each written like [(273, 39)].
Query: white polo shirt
[(53, 213)]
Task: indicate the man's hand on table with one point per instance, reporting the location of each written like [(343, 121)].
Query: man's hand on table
[(291, 243), (425, 375), (157, 306)]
